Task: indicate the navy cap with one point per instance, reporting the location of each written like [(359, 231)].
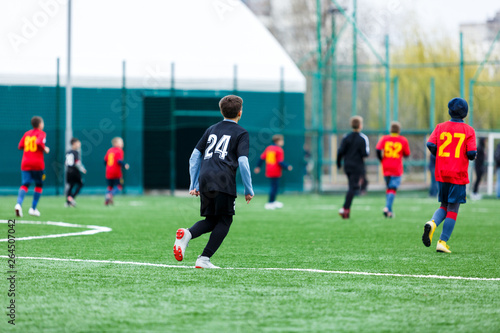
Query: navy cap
[(458, 108)]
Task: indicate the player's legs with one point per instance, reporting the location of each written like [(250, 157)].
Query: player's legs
[(218, 235), (449, 222), (38, 177), (392, 186), (112, 189), (203, 226), (440, 214), (353, 179), (223, 205), (78, 187), (26, 181), (274, 189)]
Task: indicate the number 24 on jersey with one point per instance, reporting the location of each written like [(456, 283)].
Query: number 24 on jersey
[(220, 146)]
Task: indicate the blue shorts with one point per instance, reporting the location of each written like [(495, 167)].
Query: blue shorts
[(451, 193), (33, 176), (392, 182)]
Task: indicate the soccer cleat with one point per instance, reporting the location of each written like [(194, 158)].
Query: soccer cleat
[(204, 262), (344, 213), (33, 212), (19, 210), (442, 247), (278, 204), (270, 206), (429, 228), (71, 201), (182, 238)]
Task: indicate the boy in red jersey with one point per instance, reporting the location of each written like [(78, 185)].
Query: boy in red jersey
[(114, 163), (274, 156), (32, 165), (454, 144), (390, 151)]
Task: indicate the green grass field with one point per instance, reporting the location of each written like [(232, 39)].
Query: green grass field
[(307, 233)]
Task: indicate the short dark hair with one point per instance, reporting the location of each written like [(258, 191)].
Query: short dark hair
[(356, 122), (277, 137), (36, 121), (395, 127), (73, 140), (230, 106)]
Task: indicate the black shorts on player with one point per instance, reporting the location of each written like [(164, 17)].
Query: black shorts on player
[(217, 203)]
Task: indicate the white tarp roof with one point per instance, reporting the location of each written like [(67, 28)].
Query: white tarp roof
[(204, 38)]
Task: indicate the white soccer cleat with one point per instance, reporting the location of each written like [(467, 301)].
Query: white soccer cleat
[(204, 262), (278, 204), (270, 206), (34, 212), (182, 238), (19, 210)]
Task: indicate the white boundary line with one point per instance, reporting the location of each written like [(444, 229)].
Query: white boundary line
[(94, 229), (268, 269)]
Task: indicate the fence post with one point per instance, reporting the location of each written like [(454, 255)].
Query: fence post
[(432, 113), (395, 102), (235, 79), (124, 116), (59, 171), (471, 102), (172, 131), (354, 105), (462, 79), (387, 86)]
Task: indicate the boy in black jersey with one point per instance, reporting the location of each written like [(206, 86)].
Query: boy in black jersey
[(212, 168), (353, 149), (73, 176)]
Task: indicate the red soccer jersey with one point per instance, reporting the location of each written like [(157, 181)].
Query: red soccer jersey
[(273, 155), (394, 147), (453, 141), (33, 144), (113, 168)]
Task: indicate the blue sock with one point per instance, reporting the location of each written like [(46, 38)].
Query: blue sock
[(108, 192), (439, 216), (448, 226), (36, 197), (389, 200), (115, 190), (21, 194)]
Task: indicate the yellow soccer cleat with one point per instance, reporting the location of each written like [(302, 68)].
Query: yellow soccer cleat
[(429, 228), (442, 247)]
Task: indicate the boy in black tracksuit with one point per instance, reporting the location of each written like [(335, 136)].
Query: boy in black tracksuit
[(74, 168), (353, 149)]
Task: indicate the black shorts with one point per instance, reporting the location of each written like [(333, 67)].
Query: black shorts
[(216, 203), (73, 177)]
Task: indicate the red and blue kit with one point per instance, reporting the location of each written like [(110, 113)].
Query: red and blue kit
[(273, 155), (394, 148), (114, 161), (33, 145), (453, 140)]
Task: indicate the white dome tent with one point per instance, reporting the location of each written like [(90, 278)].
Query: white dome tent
[(205, 39)]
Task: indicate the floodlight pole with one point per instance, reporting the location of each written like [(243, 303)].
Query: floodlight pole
[(69, 98), (69, 88)]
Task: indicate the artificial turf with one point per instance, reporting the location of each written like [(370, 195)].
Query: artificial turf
[(306, 234)]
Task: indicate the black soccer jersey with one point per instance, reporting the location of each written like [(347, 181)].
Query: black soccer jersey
[(353, 148), (72, 159), (221, 146)]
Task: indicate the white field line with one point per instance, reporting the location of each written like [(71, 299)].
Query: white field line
[(268, 269), (93, 229)]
